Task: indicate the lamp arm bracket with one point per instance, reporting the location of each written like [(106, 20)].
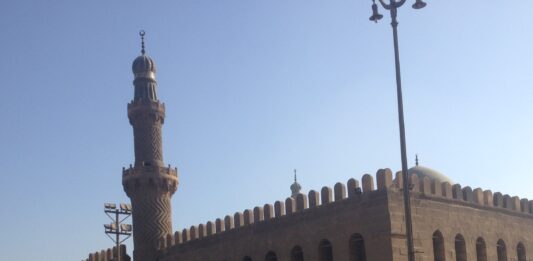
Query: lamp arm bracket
[(122, 241), (124, 218), (400, 3), (112, 219), (112, 239), (385, 5)]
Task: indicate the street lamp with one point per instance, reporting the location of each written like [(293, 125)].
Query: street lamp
[(393, 6), (116, 227)]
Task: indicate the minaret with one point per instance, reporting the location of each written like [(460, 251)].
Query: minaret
[(149, 184), (295, 187)]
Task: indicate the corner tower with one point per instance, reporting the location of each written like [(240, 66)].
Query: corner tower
[(148, 183)]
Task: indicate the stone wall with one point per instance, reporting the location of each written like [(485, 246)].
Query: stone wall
[(335, 215), (375, 214), (471, 214)]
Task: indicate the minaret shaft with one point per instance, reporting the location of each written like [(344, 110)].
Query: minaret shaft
[(146, 118)]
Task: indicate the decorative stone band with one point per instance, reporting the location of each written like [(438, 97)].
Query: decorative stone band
[(150, 177), (149, 75), (137, 171), (340, 192), (108, 254), (139, 108)]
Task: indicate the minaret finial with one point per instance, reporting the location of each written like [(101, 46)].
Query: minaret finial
[(294, 175), (142, 33), (416, 159)]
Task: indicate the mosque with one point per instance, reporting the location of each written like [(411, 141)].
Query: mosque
[(355, 221)]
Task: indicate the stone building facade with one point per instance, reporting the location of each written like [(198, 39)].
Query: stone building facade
[(349, 222), (356, 223)]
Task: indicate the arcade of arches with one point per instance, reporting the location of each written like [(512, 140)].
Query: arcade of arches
[(461, 250), (325, 251)]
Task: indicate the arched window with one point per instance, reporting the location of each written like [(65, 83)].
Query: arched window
[(325, 251), (460, 248), (502, 250), (246, 258), (481, 249), (271, 256), (357, 248), (438, 246), (521, 252), (297, 254)]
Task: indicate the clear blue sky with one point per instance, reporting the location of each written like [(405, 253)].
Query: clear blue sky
[(253, 89)]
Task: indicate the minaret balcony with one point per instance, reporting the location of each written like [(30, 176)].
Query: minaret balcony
[(149, 170), (164, 178), (143, 108), (145, 105)]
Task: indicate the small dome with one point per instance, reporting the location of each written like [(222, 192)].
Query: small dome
[(432, 174), (296, 187), (143, 66)]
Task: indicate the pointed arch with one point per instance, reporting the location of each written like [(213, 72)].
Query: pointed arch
[(297, 254), (357, 248), (502, 250), (438, 246), (481, 249), (521, 252), (271, 256), (325, 250), (460, 248)]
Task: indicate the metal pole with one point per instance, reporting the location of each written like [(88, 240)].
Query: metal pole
[(117, 235), (405, 176)]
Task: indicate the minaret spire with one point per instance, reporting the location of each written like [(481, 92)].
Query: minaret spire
[(142, 33), (144, 70), (416, 159)]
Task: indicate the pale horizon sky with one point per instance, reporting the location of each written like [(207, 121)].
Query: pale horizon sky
[(253, 89)]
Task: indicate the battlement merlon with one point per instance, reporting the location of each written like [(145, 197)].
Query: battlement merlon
[(108, 254), (149, 170), (163, 178)]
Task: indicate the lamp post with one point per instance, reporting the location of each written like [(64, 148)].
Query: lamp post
[(393, 6), (117, 228)]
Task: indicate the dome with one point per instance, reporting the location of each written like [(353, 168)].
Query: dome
[(143, 66), (296, 187), (432, 174)]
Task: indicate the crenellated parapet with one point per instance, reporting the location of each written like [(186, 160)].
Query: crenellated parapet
[(109, 255), (455, 193), (162, 178), (292, 206), (283, 209)]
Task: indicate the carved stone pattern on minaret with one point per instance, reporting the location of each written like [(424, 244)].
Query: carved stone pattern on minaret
[(148, 144), (153, 207)]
